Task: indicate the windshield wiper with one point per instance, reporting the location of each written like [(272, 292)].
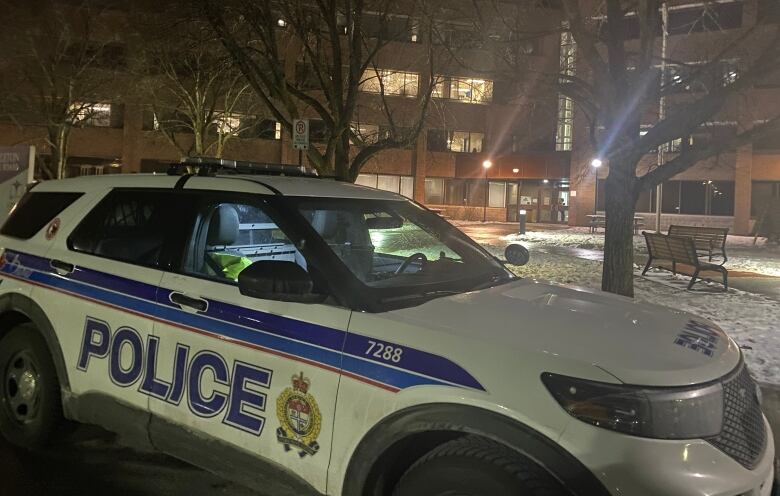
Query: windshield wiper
[(415, 296), (496, 280)]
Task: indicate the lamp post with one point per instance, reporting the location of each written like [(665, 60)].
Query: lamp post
[(487, 164), (596, 163)]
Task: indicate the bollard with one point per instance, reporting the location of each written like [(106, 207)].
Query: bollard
[(521, 218)]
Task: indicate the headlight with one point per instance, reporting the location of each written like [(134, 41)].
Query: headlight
[(661, 413)]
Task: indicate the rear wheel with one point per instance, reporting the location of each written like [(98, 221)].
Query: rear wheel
[(30, 404), (474, 466)]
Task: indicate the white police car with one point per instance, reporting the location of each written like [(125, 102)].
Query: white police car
[(307, 336)]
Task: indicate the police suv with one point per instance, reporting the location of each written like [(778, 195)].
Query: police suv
[(306, 336)]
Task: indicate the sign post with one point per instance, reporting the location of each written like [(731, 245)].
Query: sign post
[(300, 137), (17, 164)]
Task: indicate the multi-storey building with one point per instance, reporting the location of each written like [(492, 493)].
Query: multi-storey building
[(530, 135), (731, 189)]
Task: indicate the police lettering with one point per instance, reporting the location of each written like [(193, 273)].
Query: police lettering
[(699, 337), (235, 394)]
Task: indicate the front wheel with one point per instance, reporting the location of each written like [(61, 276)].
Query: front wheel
[(30, 404), (474, 466)]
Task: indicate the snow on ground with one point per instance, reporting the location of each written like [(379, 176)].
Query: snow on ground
[(761, 259), (752, 320)]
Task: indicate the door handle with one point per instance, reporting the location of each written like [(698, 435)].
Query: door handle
[(61, 267), (183, 300)]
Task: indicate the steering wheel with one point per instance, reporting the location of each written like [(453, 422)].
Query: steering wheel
[(411, 258)]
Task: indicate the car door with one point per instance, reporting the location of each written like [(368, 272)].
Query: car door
[(102, 292), (257, 374)]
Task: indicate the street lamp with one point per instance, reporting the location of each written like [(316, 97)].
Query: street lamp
[(487, 164), (596, 163)]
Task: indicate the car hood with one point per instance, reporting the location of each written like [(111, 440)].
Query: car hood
[(637, 343)]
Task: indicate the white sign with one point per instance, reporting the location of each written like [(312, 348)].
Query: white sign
[(16, 172), (301, 134)]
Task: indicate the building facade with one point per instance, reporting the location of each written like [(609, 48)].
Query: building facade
[(537, 148)]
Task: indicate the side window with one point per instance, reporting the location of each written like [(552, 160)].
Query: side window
[(229, 236), (34, 211), (131, 226)]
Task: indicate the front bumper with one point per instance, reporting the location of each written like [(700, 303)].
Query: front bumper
[(633, 466)]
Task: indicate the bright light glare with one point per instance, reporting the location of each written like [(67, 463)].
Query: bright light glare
[(546, 181), (515, 170), (487, 164), (596, 162)]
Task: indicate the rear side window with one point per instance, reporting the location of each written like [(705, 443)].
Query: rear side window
[(135, 226), (34, 211)]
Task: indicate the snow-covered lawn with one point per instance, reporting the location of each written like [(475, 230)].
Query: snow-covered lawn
[(743, 255), (752, 320)]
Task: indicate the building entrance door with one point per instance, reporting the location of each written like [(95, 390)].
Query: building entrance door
[(512, 194), (554, 205)]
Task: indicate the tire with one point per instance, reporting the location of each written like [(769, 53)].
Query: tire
[(474, 466), (30, 403)]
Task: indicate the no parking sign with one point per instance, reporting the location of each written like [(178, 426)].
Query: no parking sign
[(301, 134)]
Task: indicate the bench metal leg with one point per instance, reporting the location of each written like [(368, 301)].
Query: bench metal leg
[(647, 265), (693, 279), (674, 267), (725, 280)]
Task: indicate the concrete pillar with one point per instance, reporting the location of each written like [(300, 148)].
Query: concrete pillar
[(131, 137), (419, 165), (743, 187)]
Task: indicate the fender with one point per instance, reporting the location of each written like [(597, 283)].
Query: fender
[(15, 302), (364, 467)]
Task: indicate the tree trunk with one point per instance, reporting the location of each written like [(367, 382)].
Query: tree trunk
[(58, 139), (621, 197)]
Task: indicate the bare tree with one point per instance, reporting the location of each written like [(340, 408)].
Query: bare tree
[(60, 60), (617, 85), (199, 99), (313, 58)]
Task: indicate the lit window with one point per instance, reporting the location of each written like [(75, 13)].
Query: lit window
[(228, 124), (469, 90), (278, 130), (567, 66), (394, 82), (91, 114), (464, 141), (281, 23), (369, 133)]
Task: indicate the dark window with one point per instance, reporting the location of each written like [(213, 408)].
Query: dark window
[(646, 201), (455, 191), (318, 131), (437, 140), (670, 201), (135, 226), (693, 196), (475, 192), (601, 195), (762, 195), (34, 211), (721, 198), (434, 190), (711, 17)]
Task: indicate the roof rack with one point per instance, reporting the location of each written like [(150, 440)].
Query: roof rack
[(208, 166)]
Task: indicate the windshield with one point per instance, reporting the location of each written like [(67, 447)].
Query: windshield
[(400, 247)]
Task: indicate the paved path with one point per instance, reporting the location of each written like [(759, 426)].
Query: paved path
[(92, 463)]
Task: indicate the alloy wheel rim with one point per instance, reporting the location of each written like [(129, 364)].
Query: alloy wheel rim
[(22, 390)]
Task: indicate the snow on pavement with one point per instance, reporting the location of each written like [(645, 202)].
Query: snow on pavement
[(751, 319), (743, 255)]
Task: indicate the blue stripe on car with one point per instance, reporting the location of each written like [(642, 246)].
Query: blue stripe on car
[(297, 339)]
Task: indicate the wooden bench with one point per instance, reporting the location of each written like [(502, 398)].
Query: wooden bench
[(708, 240), (681, 252)]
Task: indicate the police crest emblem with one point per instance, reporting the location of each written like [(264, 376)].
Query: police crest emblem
[(299, 418)]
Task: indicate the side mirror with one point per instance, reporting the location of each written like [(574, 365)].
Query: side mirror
[(278, 280), (517, 254)]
